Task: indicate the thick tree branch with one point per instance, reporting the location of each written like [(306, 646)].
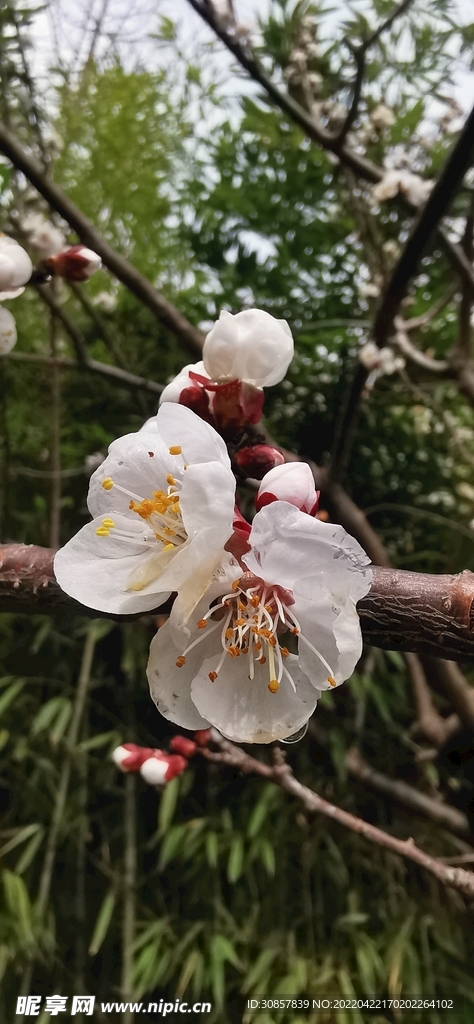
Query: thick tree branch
[(361, 165), (423, 229), (407, 796), (405, 611), (281, 774), (166, 313)]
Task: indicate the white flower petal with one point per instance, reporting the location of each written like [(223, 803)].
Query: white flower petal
[(252, 346), (153, 771), (172, 391), (199, 441), (170, 687), (131, 466), (330, 622), (96, 570), (8, 333), (244, 710), (15, 264), (288, 545), (292, 482)]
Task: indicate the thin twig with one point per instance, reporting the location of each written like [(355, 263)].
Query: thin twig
[(281, 774), (407, 796), (55, 454), (114, 373)]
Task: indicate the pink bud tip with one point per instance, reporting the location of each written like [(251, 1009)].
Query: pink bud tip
[(129, 757), (293, 482), (176, 765), (202, 737), (257, 460), (181, 745), (75, 264)]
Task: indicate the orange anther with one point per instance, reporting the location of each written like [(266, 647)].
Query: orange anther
[(212, 676), (235, 585), (285, 652), (262, 660), (202, 624), (331, 681), (240, 622), (180, 661), (254, 601), (229, 633), (273, 685)]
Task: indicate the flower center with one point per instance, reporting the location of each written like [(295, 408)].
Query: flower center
[(162, 513), (252, 621)]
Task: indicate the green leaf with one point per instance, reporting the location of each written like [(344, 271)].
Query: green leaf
[(267, 856), (9, 696), (261, 965), (47, 714), (236, 859), (29, 853), (21, 836), (171, 844), (103, 921), (168, 802), (18, 902), (212, 849)]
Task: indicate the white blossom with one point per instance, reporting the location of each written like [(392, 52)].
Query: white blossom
[(382, 116), (106, 301), (235, 672), (8, 334), (42, 235), (15, 268), (381, 360), (163, 507), (250, 346), (405, 183), (292, 482)]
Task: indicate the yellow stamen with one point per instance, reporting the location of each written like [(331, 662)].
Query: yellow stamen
[(331, 681), (170, 480), (254, 601), (168, 547), (273, 685), (240, 622), (169, 532), (229, 634), (180, 661), (202, 624), (107, 483), (285, 652), (235, 585), (102, 531), (108, 522), (175, 449)]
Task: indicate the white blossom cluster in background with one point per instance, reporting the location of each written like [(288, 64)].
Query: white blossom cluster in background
[(263, 614), (379, 361)]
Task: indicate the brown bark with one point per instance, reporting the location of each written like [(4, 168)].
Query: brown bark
[(405, 611)]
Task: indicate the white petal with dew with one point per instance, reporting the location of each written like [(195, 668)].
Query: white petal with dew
[(244, 710), (288, 545), (170, 687)]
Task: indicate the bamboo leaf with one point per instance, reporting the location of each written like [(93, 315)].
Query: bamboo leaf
[(21, 836), (236, 859), (102, 924), (9, 696), (168, 802)]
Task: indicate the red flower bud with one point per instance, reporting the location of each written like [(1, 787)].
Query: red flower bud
[(75, 264), (256, 460), (129, 757), (181, 745), (202, 737), (161, 768)]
